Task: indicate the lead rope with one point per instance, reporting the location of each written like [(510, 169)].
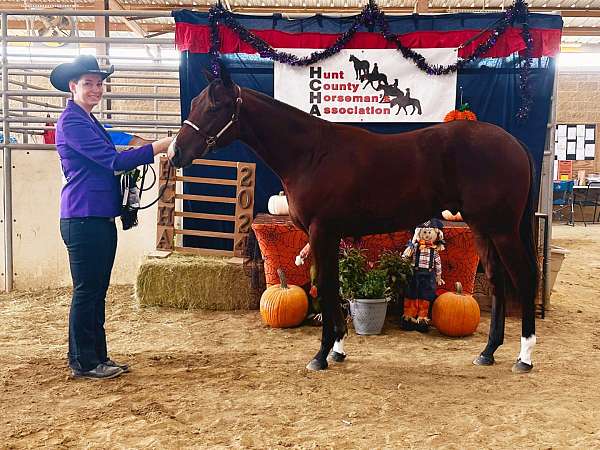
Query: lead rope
[(132, 194)]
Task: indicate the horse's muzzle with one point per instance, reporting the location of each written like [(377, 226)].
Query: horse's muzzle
[(174, 154)]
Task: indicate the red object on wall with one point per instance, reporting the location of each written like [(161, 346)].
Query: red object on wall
[(50, 135), (280, 241), (196, 39)]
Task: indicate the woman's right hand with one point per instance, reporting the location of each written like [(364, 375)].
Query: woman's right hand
[(162, 145)]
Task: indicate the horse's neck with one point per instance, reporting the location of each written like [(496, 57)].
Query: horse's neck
[(264, 124)]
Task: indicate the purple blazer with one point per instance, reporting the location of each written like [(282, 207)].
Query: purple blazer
[(89, 160)]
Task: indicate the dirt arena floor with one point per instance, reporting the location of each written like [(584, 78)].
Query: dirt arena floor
[(223, 380)]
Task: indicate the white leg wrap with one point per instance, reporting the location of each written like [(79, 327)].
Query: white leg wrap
[(338, 346), (527, 345)]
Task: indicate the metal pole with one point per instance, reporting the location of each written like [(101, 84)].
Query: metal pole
[(118, 68), (107, 95), (89, 12), (548, 184), (13, 111), (8, 219), (91, 40), (154, 76)]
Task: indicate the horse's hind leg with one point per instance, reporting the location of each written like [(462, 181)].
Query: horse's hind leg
[(325, 248), (496, 276), (521, 266)]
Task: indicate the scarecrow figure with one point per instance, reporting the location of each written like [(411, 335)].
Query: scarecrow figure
[(423, 250)]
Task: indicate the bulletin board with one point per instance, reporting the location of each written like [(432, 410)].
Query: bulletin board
[(575, 142)]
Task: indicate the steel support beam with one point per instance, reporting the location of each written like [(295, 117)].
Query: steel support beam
[(7, 165)]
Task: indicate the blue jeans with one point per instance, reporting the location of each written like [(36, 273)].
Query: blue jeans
[(91, 243), (423, 285)]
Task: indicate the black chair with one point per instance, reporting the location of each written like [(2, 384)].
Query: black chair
[(591, 197), (563, 199)]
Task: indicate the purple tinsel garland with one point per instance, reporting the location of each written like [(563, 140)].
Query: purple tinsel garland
[(371, 15)]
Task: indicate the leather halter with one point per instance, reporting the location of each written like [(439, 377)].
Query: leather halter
[(211, 141)]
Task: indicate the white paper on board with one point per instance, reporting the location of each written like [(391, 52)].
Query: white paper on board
[(589, 134), (590, 150)]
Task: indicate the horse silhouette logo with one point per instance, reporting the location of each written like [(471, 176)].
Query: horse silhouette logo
[(391, 91), (374, 76), (402, 101), (361, 67)]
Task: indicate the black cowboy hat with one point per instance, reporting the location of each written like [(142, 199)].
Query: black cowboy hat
[(63, 73), (432, 223)]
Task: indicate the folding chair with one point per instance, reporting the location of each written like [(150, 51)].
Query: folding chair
[(563, 199), (591, 198)]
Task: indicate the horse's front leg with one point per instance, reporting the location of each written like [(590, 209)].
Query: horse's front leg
[(325, 248)]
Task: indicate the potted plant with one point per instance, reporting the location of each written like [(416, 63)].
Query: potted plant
[(365, 288), (399, 273)]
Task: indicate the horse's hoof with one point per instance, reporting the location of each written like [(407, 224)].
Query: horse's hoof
[(483, 360), (315, 364), (521, 367), (337, 357)]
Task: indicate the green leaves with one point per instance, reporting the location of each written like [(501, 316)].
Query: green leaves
[(389, 277), (399, 272), (353, 272)]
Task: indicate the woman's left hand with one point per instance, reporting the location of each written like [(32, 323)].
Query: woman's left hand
[(162, 145)]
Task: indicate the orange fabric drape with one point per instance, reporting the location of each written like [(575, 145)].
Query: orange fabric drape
[(280, 241)]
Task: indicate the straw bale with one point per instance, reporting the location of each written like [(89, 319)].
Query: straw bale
[(193, 282)]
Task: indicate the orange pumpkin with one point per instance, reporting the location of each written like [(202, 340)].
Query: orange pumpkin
[(446, 214), (283, 306), (455, 314), (462, 113)]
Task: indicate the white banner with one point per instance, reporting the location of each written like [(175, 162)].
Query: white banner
[(375, 85)]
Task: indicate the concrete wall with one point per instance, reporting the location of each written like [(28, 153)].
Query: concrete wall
[(39, 255)]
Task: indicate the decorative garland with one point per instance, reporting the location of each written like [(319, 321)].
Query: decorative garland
[(370, 17)]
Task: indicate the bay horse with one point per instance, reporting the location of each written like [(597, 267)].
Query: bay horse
[(346, 181)]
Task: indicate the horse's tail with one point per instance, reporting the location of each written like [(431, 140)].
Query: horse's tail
[(527, 234)]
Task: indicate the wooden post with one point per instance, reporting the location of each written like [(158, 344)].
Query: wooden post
[(165, 220), (244, 206), (422, 6)]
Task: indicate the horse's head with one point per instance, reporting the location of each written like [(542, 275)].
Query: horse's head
[(212, 122)]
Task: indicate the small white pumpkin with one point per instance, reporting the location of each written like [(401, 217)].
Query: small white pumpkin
[(452, 217), (278, 204)]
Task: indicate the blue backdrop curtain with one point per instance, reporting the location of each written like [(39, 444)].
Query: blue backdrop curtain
[(490, 86)]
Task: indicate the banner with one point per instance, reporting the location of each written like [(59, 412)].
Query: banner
[(370, 85)]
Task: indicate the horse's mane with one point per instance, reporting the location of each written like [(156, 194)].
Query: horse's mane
[(299, 113), (292, 109)]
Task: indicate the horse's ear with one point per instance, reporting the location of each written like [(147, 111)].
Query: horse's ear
[(208, 75), (225, 76)]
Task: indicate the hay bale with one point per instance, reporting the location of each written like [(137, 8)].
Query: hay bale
[(202, 282)]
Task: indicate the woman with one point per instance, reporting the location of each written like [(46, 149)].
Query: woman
[(90, 201)]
